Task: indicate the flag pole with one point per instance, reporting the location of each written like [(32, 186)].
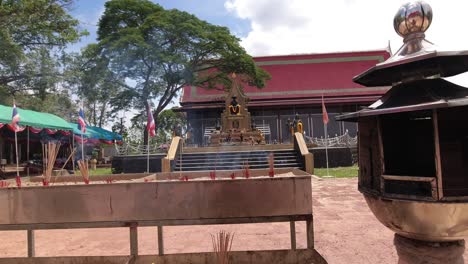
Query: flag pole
[(73, 147), (27, 152), (82, 140), (326, 147), (325, 123), (148, 151), (14, 122), (17, 158)]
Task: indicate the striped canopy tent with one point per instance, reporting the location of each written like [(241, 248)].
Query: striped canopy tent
[(36, 122), (96, 135), (34, 128)]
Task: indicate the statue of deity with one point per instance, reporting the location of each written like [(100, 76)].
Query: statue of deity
[(234, 107), (300, 126)]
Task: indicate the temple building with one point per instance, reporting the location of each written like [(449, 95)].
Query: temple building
[(297, 85)]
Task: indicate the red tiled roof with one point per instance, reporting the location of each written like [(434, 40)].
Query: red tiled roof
[(304, 77)]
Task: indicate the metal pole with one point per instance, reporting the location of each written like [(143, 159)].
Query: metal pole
[(326, 147), (82, 147), (148, 151), (27, 151), (73, 147), (17, 158), (180, 156)]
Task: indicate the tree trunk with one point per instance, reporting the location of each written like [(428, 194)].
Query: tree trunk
[(101, 115)]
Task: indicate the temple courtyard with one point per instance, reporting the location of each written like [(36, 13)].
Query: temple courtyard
[(345, 232)]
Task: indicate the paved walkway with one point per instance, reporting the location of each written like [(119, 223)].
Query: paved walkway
[(345, 232)]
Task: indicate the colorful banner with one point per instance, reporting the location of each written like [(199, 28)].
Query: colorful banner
[(65, 132), (35, 130), (50, 131), (18, 128)]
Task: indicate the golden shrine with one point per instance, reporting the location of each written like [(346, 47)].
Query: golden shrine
[(236, 125)]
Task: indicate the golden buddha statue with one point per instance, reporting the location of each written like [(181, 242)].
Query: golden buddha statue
[(234, 107)]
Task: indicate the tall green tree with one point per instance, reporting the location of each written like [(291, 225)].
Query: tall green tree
[(87, 75), (157, 52), (33, 34)]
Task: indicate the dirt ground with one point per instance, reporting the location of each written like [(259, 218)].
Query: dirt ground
[(345, 232)]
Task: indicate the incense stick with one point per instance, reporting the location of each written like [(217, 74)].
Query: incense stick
[(84, 169), (66, 162), (50, 151), (222, 244)]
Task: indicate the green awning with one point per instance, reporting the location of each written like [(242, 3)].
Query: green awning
[(96, 133), (34, 119)]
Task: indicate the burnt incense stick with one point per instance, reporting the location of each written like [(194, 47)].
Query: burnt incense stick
[(51, 151), (84, 169), (222, 244)]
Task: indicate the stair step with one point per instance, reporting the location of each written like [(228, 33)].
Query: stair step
[(235, 160), (291, 165)]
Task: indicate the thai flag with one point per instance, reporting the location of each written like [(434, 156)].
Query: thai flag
[(81, 121), (15, 118), (324, 112), (151, 126)]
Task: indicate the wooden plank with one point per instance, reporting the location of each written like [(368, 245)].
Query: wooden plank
[(292, 229), (310, 233), (247, 257), (134, 239), (409, 197), (455, 198), (153, 201), (31, 243), (440, 191), (160, 241), (381, 152), (364, 159), (176, 222), (408, 178)]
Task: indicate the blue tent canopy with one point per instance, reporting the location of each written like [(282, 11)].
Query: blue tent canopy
[(96, 133)]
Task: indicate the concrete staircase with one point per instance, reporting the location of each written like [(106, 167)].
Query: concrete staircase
[(234, 160)]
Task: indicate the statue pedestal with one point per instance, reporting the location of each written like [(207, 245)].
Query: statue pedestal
[(237, 137), (412, 251)]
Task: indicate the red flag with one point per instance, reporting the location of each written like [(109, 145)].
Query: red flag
[(324, 112), (151, 125), (81, 121)]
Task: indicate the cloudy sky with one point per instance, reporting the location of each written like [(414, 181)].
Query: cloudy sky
[(272, 27), (277, 27)]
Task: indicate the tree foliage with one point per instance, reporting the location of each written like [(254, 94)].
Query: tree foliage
[(88, 76), (33, 34), (154, 53)]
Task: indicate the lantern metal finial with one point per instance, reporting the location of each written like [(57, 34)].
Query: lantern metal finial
[(413, 18), (417, 58)]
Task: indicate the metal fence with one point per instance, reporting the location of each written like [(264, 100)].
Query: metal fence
[(136, 149), (344, 140)]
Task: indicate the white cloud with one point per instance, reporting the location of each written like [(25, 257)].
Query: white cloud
[(305, 26), (310, 26)]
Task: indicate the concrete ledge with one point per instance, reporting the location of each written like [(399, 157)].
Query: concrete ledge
[(306, 256), (155, 201), (238, 148)]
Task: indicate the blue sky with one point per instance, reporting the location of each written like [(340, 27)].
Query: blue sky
[(213, 11), (279, 27)]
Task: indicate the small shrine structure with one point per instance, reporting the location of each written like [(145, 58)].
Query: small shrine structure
[(236, 126)]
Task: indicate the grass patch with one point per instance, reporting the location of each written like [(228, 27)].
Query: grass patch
[(98, 171), (340, 172)]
